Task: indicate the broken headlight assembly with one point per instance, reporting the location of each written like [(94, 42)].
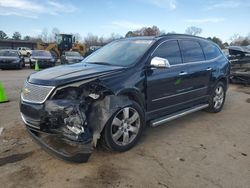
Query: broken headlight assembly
[(67, 110)]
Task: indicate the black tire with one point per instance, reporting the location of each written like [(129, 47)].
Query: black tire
[(32, 66), (20, 66), (107, 138), (212, 107)]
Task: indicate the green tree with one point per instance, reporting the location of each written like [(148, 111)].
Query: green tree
[(3, 35), (16, 36), (27, 37), (217, 41)]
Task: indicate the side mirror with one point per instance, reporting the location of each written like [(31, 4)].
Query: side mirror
[(159, 62)]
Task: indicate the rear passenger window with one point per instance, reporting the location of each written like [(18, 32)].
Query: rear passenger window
[(169, 50), (191, 51), (210, 50)]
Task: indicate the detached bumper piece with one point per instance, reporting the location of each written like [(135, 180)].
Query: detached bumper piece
[(61, 148)]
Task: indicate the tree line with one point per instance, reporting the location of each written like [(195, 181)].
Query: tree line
[(95, 40)]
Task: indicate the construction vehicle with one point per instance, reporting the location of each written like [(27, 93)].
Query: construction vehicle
[(64, 42)]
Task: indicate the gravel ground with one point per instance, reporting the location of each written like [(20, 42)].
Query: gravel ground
[(199, 150)]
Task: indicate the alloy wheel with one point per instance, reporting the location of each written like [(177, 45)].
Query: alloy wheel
[(125, 126), (218, 97)]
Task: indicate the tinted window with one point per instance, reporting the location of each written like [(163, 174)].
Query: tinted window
[(191, 51), (210, 50), (170, 51)]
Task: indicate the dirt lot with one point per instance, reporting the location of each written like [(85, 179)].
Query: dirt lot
[(199, 150)]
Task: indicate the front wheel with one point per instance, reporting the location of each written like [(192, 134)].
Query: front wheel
[(124, 128), (217, 98)]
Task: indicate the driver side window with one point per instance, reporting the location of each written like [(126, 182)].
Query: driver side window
[(169, 50)]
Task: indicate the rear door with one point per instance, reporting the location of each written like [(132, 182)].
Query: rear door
[(199, 70), (165, 86)]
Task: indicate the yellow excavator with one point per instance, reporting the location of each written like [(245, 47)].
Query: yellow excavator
[(64, 42)]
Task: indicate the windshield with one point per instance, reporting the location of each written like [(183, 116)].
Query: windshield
[(41, 53), (120, 53), (72, 54), (9, 53)]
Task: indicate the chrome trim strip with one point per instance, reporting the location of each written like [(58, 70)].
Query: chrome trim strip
[(35, 102), (166, 97), (175, 116), (27, 123)]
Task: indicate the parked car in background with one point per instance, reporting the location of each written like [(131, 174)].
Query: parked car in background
[(11, 59), (70, 57), (25, 51), (114, 92), (43, 58), (91, 50)]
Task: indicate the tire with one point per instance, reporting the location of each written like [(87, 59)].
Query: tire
[(217, 98), (32, 66), (115, 136), (20, 66)]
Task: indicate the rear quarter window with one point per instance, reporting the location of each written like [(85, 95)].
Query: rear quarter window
[(211, 51), (191, 51)]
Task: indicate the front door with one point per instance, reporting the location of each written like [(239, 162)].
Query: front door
[(166, 87)]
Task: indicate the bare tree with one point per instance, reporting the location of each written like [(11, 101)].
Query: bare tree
[(192, 30), (78, 37), (91, 40), (145, 31), (55, 31), (44, 35)]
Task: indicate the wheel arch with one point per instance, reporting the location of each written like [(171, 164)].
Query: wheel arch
[(135, 95)]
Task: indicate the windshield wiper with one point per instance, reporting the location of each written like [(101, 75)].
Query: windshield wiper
[(100, 63)]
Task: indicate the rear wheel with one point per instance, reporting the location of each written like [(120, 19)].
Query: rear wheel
[(217, 98), (124, 128)]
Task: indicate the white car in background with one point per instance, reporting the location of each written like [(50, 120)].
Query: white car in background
[(24, 51)]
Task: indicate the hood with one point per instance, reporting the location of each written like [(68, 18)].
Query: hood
[(65, 74), (6, 58), (74, 58), (41, 57)]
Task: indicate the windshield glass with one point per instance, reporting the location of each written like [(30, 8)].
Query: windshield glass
[(72, 54), (120, 53), (41, 53), (10, 53)]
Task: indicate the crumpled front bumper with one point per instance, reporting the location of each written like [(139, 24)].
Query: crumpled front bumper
[(60, 148), (54, 144)]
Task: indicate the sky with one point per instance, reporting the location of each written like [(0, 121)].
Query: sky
[(221, 18)]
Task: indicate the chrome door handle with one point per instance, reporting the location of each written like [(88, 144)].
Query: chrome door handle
[(208, 69), (183, 73)]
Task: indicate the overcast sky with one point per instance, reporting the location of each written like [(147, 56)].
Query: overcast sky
[(221, 18)]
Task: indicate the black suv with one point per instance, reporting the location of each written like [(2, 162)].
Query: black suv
[(115, 91)]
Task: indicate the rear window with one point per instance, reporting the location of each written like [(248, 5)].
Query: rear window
[(191, 51), (210, 50), (170, 51)]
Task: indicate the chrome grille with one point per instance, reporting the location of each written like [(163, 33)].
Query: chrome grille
[(35, 93)]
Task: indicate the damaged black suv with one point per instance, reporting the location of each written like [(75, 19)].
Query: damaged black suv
[(115, 91)]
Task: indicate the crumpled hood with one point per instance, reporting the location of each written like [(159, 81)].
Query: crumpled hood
[(64, 74)]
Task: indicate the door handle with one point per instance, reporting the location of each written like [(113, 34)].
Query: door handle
[(183, 73), (208, 69)]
